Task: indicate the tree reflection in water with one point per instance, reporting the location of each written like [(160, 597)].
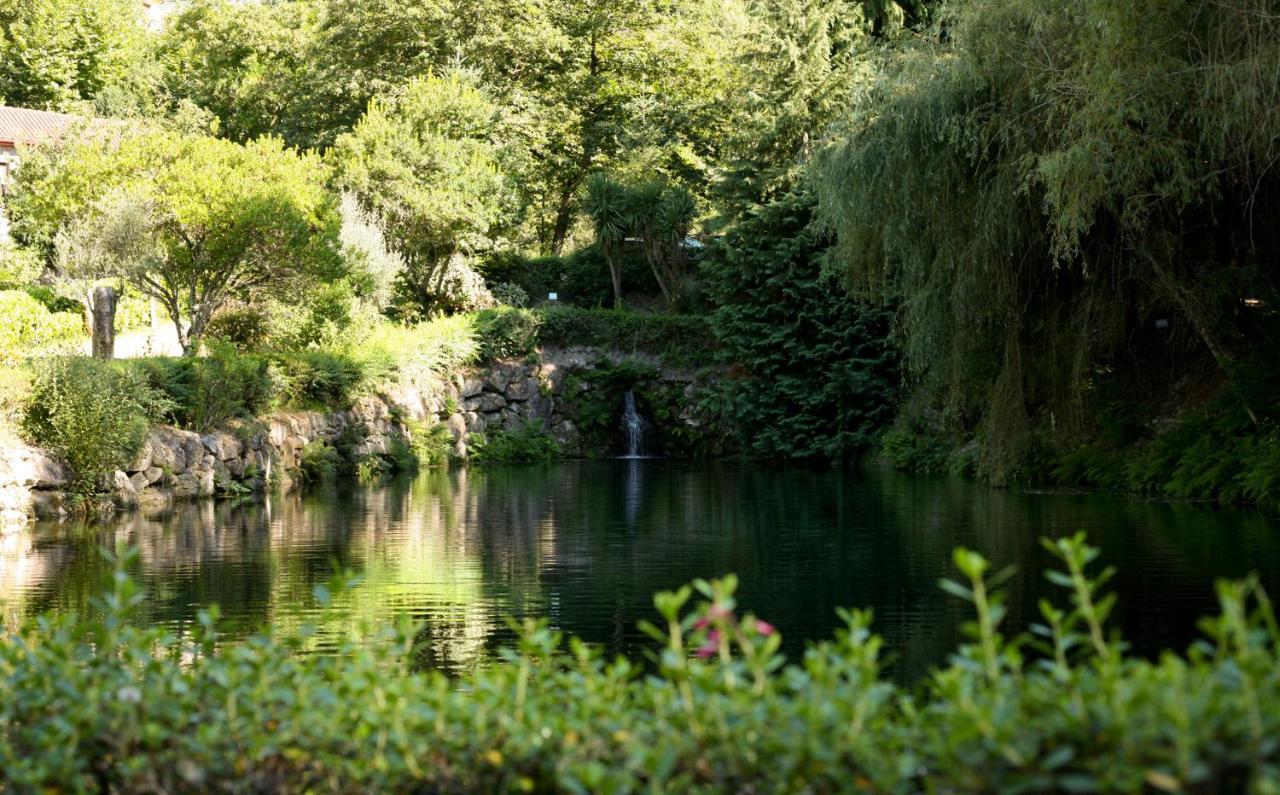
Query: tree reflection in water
[(587, 544)]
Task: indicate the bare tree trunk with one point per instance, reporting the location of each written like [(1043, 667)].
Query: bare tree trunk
[(564, 215), (615, 275), (104, 322), (655, 257)]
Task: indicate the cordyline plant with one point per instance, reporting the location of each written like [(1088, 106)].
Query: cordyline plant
[(108, 706)]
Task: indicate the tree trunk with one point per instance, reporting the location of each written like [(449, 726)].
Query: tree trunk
[(104, 322), (615, 274), (564, 215), (655, 264)]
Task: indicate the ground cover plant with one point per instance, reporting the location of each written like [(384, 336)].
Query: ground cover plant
[(105, 705)]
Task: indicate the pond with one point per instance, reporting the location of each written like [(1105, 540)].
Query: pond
[(586, 544)]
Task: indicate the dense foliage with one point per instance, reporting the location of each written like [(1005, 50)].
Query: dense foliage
[(527, 444), (108, 705), (425, 161), (191, 222), (28, 327), (62, 54), (92, 414), (812, 375), (1053, 192), (633, 86)]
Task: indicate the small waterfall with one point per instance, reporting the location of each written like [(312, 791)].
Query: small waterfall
[(633, 425)]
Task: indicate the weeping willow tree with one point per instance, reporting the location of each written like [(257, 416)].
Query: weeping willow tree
[(1039, 181)]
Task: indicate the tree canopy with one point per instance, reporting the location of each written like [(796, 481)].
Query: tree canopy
[(1037, 183), (190, 221), (57, 54)]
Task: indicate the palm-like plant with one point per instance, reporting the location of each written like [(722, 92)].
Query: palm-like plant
[(606, 204)]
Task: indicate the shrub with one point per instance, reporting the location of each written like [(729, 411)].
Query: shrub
[(246, 328), (322, 379), (18, 265), (91, 413), (426, 445), (681, 339), (418, 351), (204, 392), (506, 333), (1214, 454), (527, 444), (913, 450), (319, 462), (52, 300), (116, 706), (28, 327), (510, 294), (580, 279)]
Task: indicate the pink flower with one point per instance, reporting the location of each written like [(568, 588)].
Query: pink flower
[(765, 628), (712, 645), (702, 623)]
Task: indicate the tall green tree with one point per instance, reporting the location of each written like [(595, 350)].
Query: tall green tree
[(252, 65), (1040, 184), (816, 375), (427, 161), (631, 86), (193, 222), (57, 54)]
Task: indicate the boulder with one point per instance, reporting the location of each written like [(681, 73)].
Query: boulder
[(186, 485), (122, 489), (538, 407), (499, 376), (142, 460), (475, 423), (468, 386), (523, 388), (374, 445), (48, 505), (566, 435), (206, 485), (43, 471), (175, 450), (457, 427), (489, 401), (223, 446)]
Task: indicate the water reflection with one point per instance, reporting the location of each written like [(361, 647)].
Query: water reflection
[(588, 543)]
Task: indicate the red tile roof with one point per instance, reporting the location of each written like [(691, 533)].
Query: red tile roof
[(23, 126)]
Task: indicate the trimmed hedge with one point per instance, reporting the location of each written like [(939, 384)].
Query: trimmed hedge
[(110, 706), (681, 339)]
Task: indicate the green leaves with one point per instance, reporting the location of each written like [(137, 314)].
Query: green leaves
[(816, 376), (93, 703), (60, 54)]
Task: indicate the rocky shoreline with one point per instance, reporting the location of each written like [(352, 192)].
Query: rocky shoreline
[(252, 456)]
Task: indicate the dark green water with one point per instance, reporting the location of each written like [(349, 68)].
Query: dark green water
[(587, 544)]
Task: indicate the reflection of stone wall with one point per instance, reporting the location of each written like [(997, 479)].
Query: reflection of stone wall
[(176, 465)]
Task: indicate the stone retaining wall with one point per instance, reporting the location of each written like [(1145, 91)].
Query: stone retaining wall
[(174, 464)]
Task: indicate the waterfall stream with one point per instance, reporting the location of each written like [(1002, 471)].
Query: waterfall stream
[(633, 425)]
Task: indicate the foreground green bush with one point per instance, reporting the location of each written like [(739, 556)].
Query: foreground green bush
[(108, 706)]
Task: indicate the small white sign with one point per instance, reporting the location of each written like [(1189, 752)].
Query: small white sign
[(553, 296)]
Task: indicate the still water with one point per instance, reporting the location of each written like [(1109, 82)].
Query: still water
[(587, 543)]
